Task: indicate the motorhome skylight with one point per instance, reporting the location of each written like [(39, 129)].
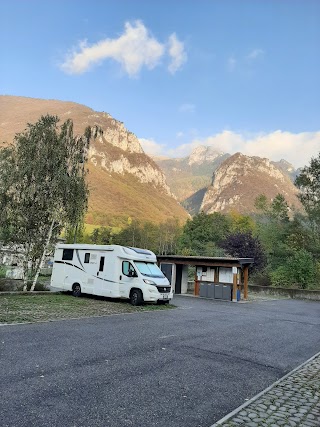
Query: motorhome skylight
[(141, 251)]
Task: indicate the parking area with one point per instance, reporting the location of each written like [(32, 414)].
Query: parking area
[(186, 367)]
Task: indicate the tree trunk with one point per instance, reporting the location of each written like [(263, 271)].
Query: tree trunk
[(25, 274), (43, 256)]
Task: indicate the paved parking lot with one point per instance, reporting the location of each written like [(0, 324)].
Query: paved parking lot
[(186, 367)]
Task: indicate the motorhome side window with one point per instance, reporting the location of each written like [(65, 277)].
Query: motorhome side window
[(67, 255), (87, 258), (128, 269)]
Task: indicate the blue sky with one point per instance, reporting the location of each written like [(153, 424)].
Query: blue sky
[(238, 75)]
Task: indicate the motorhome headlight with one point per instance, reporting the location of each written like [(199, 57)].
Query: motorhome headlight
[(149, 282)]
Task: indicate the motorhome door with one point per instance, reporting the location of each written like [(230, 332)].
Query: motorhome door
[(103, 284), (128, 278)]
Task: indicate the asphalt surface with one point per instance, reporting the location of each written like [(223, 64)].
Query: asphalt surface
[(182, 368)]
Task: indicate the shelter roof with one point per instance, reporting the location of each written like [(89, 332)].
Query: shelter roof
[(206, 261)]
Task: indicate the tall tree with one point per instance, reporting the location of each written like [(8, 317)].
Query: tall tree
[(202, 234), (244, 245), (308, 181), (43, 187)]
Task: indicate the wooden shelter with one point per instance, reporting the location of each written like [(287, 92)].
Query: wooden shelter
[(215, 277)]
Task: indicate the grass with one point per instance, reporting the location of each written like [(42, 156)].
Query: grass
[(39, 308)]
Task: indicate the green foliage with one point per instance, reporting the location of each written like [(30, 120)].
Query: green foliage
[(161, 239), (308, 181), (42, 185), (280, 277), (277, 210), (101, 236), (3, 271), (203, 233), (241, 223), (299, 270)]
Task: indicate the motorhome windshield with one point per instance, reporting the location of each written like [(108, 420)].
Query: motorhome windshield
[(149, 269)]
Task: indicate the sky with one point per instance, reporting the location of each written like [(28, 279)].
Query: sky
[(236, 75)]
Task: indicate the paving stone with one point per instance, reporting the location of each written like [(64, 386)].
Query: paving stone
[(293, 402), (252, 415)]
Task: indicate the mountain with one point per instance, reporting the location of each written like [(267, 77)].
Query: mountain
[(190, 178), (123, 181), (240, 179), (188, 175), (287, 168)]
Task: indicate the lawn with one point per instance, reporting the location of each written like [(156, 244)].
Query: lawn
[(48, 307)]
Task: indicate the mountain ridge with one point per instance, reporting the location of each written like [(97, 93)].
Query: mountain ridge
[(115, 156)]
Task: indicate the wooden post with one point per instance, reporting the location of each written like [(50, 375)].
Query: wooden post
[(196, 284), (234, 289), (245, 282), (216, 275)]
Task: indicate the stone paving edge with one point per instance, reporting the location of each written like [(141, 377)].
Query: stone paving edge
[(248, 402)]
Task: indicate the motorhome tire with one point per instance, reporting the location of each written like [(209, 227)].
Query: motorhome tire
[(136, 297), (76, 290)]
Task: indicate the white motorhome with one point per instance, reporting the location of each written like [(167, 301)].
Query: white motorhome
[(111, 271)]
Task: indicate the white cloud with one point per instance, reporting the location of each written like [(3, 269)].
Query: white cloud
[(151, 147), (296, 148), (255, 53), (187, 108), (134, 49), (177, 54)]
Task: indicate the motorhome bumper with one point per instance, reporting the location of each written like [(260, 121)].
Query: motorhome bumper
[(154, 295)]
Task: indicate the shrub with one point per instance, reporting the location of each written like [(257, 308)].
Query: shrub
[(280, 277), (261, 278), (298, 271), (3, 271)]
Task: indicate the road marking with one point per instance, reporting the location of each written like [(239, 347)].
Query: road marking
[(166, 336)]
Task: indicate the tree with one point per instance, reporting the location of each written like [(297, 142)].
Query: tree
[(43, 187), (299, 270), (277, 209), (202, 234), (241, 223), (308, 181), (244, 245), (273, 228)]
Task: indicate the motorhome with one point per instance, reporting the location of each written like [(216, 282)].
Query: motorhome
[(110, 270)]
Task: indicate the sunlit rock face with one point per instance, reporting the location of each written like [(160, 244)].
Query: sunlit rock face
[(240, 179)]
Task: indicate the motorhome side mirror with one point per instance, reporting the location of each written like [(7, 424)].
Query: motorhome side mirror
[(131, 273)]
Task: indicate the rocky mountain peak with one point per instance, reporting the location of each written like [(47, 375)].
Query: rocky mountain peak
[(121, 174), (240, 179), (202, 154)]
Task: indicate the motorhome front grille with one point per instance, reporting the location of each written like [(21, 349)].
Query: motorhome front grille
[(163, 289)]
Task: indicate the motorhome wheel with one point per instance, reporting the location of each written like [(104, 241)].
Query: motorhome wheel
[(136, 297), (76, 290)]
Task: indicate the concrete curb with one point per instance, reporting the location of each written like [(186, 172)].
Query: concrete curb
[(247, 403)]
